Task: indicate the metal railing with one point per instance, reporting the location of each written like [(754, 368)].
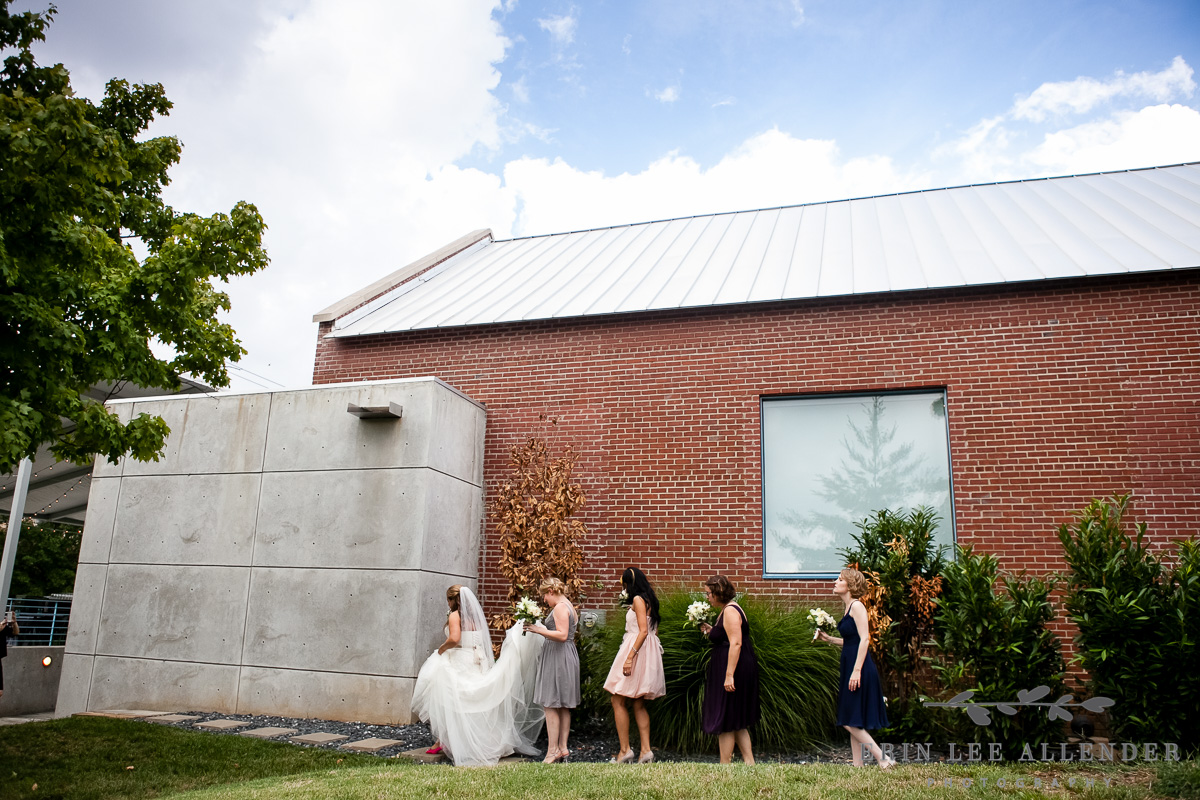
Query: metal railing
[(43, 620)]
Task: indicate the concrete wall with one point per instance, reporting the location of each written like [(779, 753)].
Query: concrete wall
[(283, 557), (30, 687)]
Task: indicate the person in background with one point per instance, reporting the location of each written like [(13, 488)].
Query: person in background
[(637, 671), (8, 627), (731, 694)]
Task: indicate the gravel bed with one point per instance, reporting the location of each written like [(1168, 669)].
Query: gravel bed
[(589, 743)]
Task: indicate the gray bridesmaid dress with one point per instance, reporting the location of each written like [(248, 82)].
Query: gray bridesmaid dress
[(558, 668)]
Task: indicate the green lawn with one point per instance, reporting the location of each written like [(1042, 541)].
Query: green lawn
[(89, 757), (86, 758)]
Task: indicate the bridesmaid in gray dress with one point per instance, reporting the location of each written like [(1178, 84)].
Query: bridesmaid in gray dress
[(557, 688)]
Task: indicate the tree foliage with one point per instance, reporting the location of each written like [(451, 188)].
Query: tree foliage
[(994, 639), (78, 307), (903, 566), (1139, 622), (47, 557), (534, 513)]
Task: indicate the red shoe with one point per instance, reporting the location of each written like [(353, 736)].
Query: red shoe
[(433, 751)]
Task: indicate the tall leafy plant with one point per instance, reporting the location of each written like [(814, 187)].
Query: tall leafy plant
[(534, 511), (896, 552), (798, 677), (993, 639), (1137, 620)]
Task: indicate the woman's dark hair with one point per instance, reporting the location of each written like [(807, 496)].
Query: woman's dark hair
[(722, 589), (634, 581)]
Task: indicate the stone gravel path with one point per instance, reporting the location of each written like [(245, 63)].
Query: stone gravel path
[(588, 743)]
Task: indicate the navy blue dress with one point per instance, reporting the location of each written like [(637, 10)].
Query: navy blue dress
[(864, 707)]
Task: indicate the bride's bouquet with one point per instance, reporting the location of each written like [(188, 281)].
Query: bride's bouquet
[(699, 612), (821, 621), (527, 611)]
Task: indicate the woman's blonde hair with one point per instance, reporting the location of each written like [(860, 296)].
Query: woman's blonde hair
[(452, 596), (855, 582), (553, 585)]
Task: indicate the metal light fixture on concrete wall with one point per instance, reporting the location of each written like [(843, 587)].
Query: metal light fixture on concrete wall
[(390, 411)]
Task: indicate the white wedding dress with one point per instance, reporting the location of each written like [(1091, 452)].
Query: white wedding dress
[(481, 709)]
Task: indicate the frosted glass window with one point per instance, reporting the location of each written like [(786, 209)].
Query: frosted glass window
[(831, 461)]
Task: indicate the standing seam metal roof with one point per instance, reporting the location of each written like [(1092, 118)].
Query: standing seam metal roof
[(1088, 225)]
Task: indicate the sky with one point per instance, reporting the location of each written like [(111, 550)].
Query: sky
[(369, 133)]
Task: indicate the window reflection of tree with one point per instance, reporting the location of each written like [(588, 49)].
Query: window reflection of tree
[(875, 473)]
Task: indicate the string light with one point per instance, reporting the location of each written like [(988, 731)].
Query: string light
[(63, 497)]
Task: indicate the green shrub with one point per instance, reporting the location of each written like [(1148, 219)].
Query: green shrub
[(896, 552), (997, 644), (799, 677), (1138, 624)]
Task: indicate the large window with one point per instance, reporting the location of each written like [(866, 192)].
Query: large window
[(829, 461)]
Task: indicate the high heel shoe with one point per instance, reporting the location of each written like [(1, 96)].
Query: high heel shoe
[(562, 756), (647, 759), (433, 751), (622, 759), (887, 763)]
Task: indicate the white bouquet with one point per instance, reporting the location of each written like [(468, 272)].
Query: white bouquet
[(698, 612), (623, 598), (821, 621), (527, 611)]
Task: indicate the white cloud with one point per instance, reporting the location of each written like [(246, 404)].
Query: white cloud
[(797, 14), (1152, 136), (1023, 143), (728, 101), (344, 135), (1083, 94), (561, 29), (668, 95), (770, 169)]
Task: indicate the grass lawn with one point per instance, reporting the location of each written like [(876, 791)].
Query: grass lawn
[(88, 757)]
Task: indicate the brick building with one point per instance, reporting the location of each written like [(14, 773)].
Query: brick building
[(1002, 353)]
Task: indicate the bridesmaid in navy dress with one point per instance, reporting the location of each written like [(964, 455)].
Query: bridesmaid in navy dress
[(731, 694), (860, 700)]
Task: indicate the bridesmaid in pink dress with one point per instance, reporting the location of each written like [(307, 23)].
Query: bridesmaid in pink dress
[(637, 672)]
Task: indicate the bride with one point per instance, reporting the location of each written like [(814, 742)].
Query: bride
[(480, 709)]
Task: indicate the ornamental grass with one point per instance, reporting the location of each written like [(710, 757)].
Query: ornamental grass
[(798, 677)]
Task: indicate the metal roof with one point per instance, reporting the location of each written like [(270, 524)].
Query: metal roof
[(1088, 225)]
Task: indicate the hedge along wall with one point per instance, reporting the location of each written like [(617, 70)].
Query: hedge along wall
[(1056, 392)]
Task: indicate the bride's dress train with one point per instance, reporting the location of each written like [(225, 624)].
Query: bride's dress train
[(480, 711)]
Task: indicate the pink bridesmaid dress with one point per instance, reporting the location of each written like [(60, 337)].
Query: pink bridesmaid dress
[(647, 679)]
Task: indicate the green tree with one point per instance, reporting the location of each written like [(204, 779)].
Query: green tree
[(78, 306), (47, 557)]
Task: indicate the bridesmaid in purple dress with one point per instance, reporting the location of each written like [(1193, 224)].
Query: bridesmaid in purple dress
[(731, 694)]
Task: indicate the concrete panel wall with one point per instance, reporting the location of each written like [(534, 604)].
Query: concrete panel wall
[(284, 556), (30, 687)]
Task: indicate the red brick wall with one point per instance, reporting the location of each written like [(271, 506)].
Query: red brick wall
[(1056, 393)]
